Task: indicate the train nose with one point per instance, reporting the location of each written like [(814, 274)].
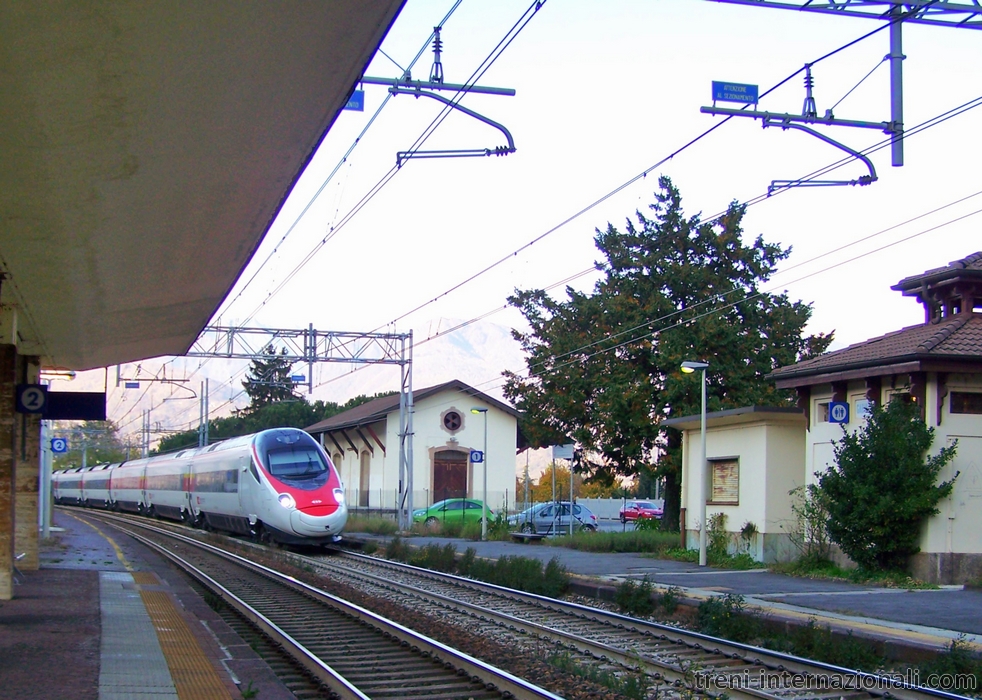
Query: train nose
[(318, 524)]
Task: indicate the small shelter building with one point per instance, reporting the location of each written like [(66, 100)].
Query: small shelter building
[(754, 457)]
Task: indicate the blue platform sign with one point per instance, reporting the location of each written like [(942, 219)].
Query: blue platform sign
[(838, 412), (734, 92), (356, 102), (59, 445), (297, 378), (477, 456), (131, 385)]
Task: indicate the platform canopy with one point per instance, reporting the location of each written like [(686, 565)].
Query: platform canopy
[(146, 149)]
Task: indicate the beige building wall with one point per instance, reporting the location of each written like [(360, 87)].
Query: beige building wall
[(950, 538)]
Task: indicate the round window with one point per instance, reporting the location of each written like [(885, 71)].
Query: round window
[(452, 421)]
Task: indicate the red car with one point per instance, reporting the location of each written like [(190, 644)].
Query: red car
[(634, 510)]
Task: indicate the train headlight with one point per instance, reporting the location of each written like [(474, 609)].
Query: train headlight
[(286, 500), (339, 496)]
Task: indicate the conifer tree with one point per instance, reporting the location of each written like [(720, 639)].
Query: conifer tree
[(603, 367), (268, 381)]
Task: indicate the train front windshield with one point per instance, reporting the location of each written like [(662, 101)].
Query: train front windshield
[(292, 454), (293, 463)]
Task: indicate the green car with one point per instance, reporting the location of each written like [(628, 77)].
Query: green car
[(457, 510)]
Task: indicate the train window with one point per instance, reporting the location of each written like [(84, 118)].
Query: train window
[(299, 461)]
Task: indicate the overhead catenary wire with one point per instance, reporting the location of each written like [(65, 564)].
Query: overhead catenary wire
[(340, 163), (831, 53), (624, 185), (485, 65)]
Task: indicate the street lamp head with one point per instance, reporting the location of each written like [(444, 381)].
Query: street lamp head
[(479, 410), (690, 366)]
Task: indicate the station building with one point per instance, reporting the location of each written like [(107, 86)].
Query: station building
[(936, 364), (364, 444)]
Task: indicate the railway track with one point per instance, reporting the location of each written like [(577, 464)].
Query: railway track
[(352, 651), (676, 662), (676, 658)]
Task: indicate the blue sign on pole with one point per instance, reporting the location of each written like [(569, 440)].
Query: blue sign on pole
[(356, 102), (297, 378), (59, 445), (734, 92), (131, 385), (838, 412), (477, 456)]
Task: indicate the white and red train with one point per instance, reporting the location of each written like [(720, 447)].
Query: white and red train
[(275, 485)]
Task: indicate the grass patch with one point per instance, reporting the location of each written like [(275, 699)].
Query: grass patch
[(372, 524), (521, 573), (824, 569), (630, 685), (814, 642), (645, 541)]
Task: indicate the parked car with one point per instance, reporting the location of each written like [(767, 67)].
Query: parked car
[(553, 518), (635, 510), (466, 510)]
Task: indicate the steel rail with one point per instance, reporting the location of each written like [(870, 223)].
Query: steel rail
[(475, 668), (871, 683)]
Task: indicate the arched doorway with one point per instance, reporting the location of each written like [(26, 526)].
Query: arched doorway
[(449, 474)]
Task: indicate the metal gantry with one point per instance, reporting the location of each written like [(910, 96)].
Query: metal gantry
[(940, 13), (309, 346), (964, 15)]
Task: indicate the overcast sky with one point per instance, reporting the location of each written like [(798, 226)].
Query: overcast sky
[(604, 91)]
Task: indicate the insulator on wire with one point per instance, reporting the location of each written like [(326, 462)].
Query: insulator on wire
[(436, 73), (809, 109)]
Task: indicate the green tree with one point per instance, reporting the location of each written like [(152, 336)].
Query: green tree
[(884, 486), (603, 368), (286, 414), (269, 380), (94, 442)]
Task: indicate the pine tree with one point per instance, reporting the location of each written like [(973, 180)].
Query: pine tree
[(268, 381)]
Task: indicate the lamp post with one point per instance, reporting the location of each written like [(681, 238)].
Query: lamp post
[(484, 461), (688, 367)]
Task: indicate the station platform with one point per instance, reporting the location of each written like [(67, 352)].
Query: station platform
[(906, 622), (105, 618)]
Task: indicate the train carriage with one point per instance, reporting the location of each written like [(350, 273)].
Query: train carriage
[(127, 486), (66, 486), (95, 486), (166, 486)]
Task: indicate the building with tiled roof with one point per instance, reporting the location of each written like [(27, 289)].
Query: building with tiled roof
[(365, 443), (937, 365)]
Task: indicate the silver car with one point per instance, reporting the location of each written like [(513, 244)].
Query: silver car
[(553, 519)]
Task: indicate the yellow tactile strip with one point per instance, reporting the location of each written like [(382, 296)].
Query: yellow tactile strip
[(193, 675), (145, 578)]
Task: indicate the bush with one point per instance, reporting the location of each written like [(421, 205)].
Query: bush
[(883, 488), (435, 557), (808, 530), (635, 598), (955, 661), (727, 617), (819, 643), (397, 550), (670, 599)]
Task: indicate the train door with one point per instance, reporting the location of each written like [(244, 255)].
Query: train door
[(187, 485)]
